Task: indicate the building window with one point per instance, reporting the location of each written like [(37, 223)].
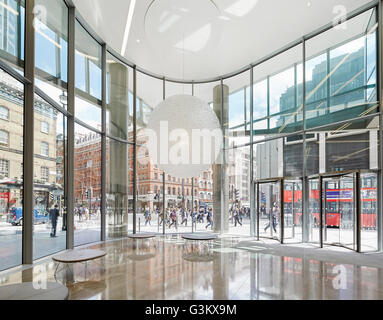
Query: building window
[(156, 176), (4, 137), (45, 174), (4, 168), (4, 113), (44, 127), (45, 149)]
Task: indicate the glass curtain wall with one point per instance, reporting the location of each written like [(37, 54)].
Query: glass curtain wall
[(11, 170), (87, 152), (49, 180), (51, 55), (149, 96), (333, 132), (278, 110), (207, 187), (12, 22), (341, 87), (238, 158), (183, 197)]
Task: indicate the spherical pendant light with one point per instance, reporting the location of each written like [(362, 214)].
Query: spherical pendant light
[(185, 136)]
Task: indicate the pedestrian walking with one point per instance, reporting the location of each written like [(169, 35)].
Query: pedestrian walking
[(53, 216)]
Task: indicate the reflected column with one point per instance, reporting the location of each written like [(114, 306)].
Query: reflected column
[(221, 185), (118, 152)]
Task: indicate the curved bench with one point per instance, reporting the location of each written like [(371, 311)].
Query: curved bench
[(77, 256), (141, 236), (26, 291), (200, 237), (194, 253)]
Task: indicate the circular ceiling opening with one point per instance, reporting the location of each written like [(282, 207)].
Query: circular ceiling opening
[(175, 27)]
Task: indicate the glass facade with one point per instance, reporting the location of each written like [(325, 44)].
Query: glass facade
[(302, 142)]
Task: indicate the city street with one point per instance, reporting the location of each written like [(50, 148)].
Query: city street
[(88, 231)]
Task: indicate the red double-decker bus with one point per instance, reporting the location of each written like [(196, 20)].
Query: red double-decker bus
[(339, 206)]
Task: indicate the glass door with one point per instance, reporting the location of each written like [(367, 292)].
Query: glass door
[(269, 210), (339, 214), (314, 211), (293, 211)]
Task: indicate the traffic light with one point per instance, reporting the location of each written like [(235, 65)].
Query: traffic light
[(87, 194)]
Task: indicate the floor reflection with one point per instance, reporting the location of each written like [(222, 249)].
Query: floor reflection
[(163, 268)]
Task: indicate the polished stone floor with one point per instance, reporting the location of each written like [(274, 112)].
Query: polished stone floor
[(231, 267)]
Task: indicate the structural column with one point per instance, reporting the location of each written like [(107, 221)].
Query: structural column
[(28, 161), (221, 185), (118, 152), (71, 134)]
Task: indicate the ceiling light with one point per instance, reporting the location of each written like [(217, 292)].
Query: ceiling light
[(127, 27), (138, 40), (309, 4)]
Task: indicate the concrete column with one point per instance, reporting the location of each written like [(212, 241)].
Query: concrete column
[(221, 183), (118, 110)]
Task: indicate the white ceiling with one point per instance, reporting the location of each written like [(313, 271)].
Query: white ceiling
[(192, 39)]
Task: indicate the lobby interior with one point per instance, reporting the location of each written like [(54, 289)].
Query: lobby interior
[(286, 204)]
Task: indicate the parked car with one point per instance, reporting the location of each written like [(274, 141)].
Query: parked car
[(15, 217)]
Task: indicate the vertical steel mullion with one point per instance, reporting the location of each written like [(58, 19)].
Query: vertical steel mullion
[(163, 204), (258, 210), (358, 211), (192, 204), (28, 160), (252, 188), (328, 81), (245, 106), (282, 210), (103, 146), (379, 98), (223, 178), (268, 103), (163, 176), (305, 191), (70, 128), (296, 92), (134, 150), (320, 216)]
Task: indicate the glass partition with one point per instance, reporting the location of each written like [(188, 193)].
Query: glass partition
[(12, 21), (149, 96), (88, 78), (369, 212), (239, 191), (314, 211), (337, 85), (339, 212), (50, 214), (293, 213), (87, 173), (11, 170), (269, 210), (51, 52)]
